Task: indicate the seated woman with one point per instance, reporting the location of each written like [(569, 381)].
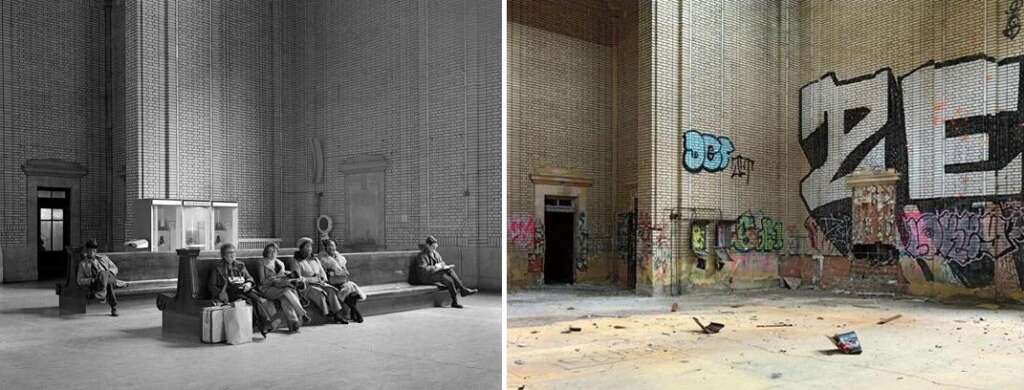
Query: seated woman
[(277, 283), (230, 281), (323, 295), (337, 275)]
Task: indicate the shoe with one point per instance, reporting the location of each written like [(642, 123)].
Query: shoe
[(113, 312), (469, 291), (306, 319), (339, 319), (456, 306), (357, 316)]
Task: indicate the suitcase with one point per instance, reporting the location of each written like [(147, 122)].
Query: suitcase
[(213, 324)]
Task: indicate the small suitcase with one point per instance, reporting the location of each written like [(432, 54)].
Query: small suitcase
[(213, 324)]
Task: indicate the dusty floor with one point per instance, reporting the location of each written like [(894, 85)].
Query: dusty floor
[(425, 349), (628, 342)]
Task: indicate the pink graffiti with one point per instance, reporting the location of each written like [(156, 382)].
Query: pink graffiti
[(521, 232)]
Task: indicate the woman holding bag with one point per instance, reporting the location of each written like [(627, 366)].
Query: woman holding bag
[(230, 281), (338, 276), (278, 284), (317, 290)]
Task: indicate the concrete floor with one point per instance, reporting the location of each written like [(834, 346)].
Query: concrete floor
[(422, 349), (628, 342)]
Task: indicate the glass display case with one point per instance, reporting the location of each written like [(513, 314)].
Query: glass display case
[(174, 224)]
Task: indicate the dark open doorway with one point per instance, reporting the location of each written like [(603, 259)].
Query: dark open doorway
[(559, 218), (52, 214)]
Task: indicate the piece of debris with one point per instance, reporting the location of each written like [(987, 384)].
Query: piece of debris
[(775, 325), (990, 306), (886, 320), (846, 342), (534, 331), (675, 307), (521, 387), (520, 362), (570, 308), (619, 327), (776, 375), (791, 283), (575, 329), (821, 318), (713, 327)]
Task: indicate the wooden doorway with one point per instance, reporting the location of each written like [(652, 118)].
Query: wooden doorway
[(52, 215)]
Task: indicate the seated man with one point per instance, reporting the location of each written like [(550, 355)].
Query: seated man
[(97, 273), (430, 269)]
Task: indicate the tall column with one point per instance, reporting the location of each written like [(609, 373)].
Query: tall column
[(658, 144)]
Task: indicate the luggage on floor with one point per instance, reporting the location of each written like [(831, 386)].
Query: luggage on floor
[(213, 324), (238, 323)]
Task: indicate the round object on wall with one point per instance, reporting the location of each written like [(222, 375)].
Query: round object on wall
[(324, 224)]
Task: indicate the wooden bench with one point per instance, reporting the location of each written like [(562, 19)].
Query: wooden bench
[(383, 276), (144, 272)]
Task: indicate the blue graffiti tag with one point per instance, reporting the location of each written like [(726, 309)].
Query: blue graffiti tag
[(706, 152)]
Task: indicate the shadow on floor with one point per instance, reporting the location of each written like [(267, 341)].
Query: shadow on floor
[(48, 311)]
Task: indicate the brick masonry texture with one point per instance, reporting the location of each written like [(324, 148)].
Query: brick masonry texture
[(709, 66), (417, 82), (218, 100), (936, 83)]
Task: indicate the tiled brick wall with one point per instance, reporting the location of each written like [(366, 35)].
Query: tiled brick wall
[(718, 68), (200, 105), (911, 45), (417, 82), (560, 79), (51, 89)]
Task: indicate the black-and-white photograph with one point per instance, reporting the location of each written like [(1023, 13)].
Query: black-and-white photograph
[(236, 194)]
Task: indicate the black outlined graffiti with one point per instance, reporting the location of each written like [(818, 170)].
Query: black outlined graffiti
[(741, 167), (706, 152), (1012, 19), (757, 233), (927, 125), (582, 242)]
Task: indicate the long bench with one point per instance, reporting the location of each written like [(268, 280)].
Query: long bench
[(383, 276), (144, 272)]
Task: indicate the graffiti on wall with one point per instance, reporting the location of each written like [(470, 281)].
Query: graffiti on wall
[(625, 227), (706, 152), (521, 232), (756, 233), (698, 237), (535, 259), (654, 254), (582, 242), (929, 125), (829, 234), (1012, 19), (741, 167)]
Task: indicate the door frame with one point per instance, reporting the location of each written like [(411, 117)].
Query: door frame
[(51, 173), (574, 214), (65, 204), (559, 182)]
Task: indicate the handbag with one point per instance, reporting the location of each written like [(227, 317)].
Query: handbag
[(238, 323)]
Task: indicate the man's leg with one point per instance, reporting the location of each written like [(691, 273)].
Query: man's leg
[(458, 283), (104, 287), (449, 283)]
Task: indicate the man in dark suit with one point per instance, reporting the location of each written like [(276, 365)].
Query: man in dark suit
[(431, 268)]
